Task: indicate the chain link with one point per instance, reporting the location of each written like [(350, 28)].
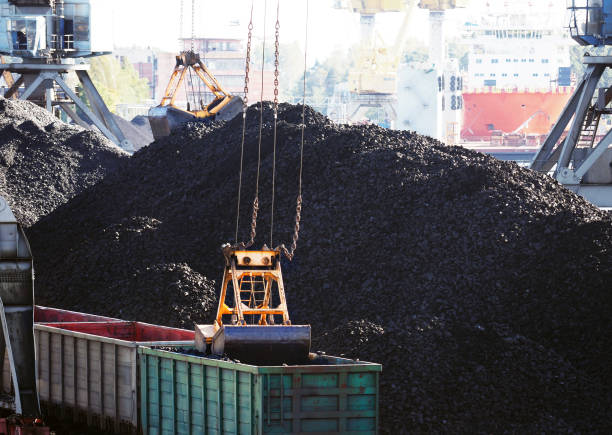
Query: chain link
[(289, 253), (253, 222), (247, 67), (276, 64), (244, 111), (181, 26), (193, 25)]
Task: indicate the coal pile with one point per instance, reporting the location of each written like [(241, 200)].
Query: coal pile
[(483, 288), (45, 162)]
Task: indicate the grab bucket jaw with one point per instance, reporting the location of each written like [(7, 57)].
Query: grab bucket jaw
[(264, 345)]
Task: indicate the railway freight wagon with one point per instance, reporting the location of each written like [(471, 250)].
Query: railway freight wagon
[(132, 377), (185, 394)]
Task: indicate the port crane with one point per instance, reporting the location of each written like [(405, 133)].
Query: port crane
[(373, 83), (581, 161), (50, 36)]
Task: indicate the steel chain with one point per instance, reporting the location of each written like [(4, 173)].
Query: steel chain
[(298, 206), (275, 111), (247, 68), (253, 222), (192, 25), (276, 64), (181, 25), (289, 253), (244, 112)]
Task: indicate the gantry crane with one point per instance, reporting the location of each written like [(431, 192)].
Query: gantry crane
[(582, 161), (373, 80), (48, 35)]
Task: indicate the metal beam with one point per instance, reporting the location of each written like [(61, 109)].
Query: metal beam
[(34, 85), (552, 160), (592, 77), (555, 134), (49, 98), (73, 115), (598, 194), (96, 101), (81, 105), (13, 89), (594, 155)]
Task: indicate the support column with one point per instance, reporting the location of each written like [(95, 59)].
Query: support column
[(106, 116)]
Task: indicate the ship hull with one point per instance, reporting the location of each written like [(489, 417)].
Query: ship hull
[(511, 112)]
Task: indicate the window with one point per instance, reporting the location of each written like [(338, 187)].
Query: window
[(508, 60), (504, 75), (494, 60), (531, 60), (523, 60), (478, 60), (492, 74), (515, 60), (23, 34), (516, 75), (535, 74), (547, 75), (544, 60), (81, 28)]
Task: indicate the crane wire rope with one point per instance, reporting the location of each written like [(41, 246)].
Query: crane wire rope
[(276, 63), (256, 200), (289, 253), (193, 14), (245, 105), (194, 97), (181, 23)]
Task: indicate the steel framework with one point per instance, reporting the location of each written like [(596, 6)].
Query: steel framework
[(45, 85), (580, 161)]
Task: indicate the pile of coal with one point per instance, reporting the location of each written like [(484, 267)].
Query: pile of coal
[(482, 288), (45, 162)]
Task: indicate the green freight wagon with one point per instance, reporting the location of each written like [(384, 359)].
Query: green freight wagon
[(186, 394)]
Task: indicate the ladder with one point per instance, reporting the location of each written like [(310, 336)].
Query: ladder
[(589, 129)]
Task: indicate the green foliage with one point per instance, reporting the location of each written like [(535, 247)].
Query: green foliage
[(577, 53), (118, 83), (323, 76)]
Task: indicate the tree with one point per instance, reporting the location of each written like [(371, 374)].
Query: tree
[(577, 53), (118, 83)]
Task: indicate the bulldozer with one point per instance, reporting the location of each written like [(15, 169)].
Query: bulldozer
[(167, 116)]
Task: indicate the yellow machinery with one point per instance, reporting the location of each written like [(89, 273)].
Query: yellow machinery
[(252, 322), (167, 115), (376, 63)]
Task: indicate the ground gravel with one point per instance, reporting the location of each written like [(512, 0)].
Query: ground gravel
[(482, 288)]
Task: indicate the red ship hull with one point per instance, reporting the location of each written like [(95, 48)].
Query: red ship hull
[(511, 112)]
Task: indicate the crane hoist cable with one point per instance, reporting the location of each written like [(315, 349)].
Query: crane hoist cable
[(181, 22), (193, 14), (256, 199), (245, 105), (289, 253), (276, 36)]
